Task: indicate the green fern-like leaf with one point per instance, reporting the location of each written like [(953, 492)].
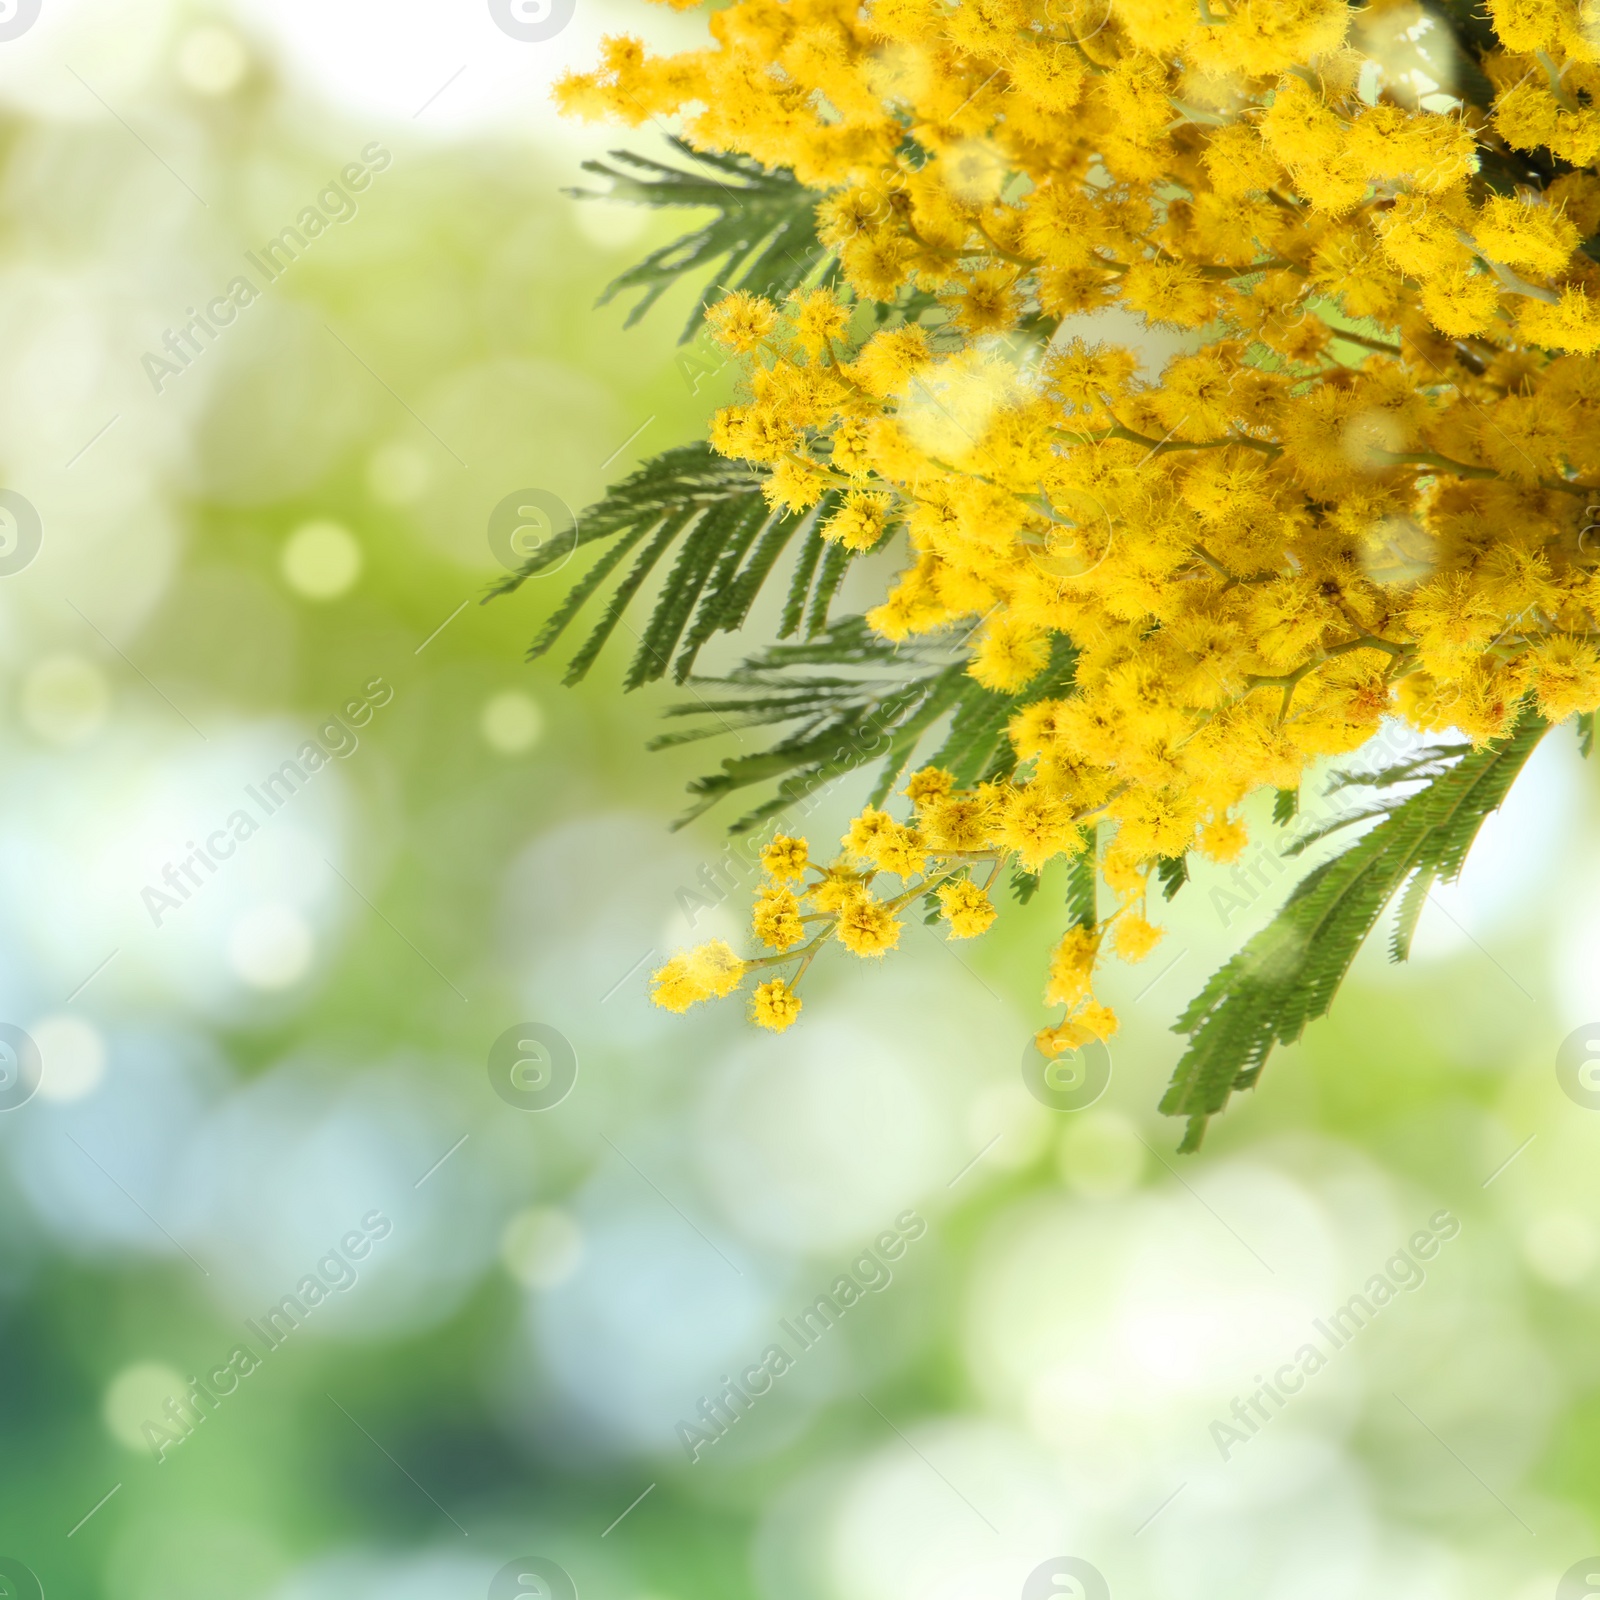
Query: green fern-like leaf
[(1024, 886), (874, 704), (728, 543), (763, 238), (1172, 872), (1288, 973), (1082, 911)]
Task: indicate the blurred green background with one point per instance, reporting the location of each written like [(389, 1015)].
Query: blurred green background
[(302, 1040)]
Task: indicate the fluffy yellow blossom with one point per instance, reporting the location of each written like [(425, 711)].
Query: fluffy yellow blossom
[(740, 322), (866, 926), (859, 523), (1010, 655), (1037, 827), (776, 918), (864, 832), (774, 1005), (786, 858), (707, 972), (900, 850), (819, 319), (1566, 676), (1093, 1023), (1222, 840), (1071, 967), (1133, 938), (836, 890), (931, 783), (966, 907), (1520, 234)]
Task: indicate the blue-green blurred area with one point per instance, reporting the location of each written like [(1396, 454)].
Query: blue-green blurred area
[(267, 1007)]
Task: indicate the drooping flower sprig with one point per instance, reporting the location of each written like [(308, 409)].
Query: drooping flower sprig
[(1362, 489)]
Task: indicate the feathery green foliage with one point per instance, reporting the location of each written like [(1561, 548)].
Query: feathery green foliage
[(764, 234), (1081, 907), (875, 704), (1289, 972), (728, 543), (1024, 885), (1172, 872)]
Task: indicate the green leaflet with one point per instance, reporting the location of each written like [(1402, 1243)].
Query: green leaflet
[(689, 477), (728, 543), (1082, 911), (728, 540), (1172, 872), (764, 234), (1288, 973), (874, 706), (1024, 885)]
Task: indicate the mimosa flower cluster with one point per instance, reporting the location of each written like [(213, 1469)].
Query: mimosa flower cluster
[(1363, 490)]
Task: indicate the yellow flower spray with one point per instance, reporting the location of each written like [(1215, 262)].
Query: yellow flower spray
[(1392, 327)]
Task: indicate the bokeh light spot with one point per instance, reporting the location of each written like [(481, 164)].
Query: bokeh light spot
[(1100, 1155), (1007, 1127), (1560, 1247), (65, 699), (398, 473), (542, 1247), (136, 1396), (73, 1054), (212, 60), (511, 722), (271, 947), (321, 560)]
